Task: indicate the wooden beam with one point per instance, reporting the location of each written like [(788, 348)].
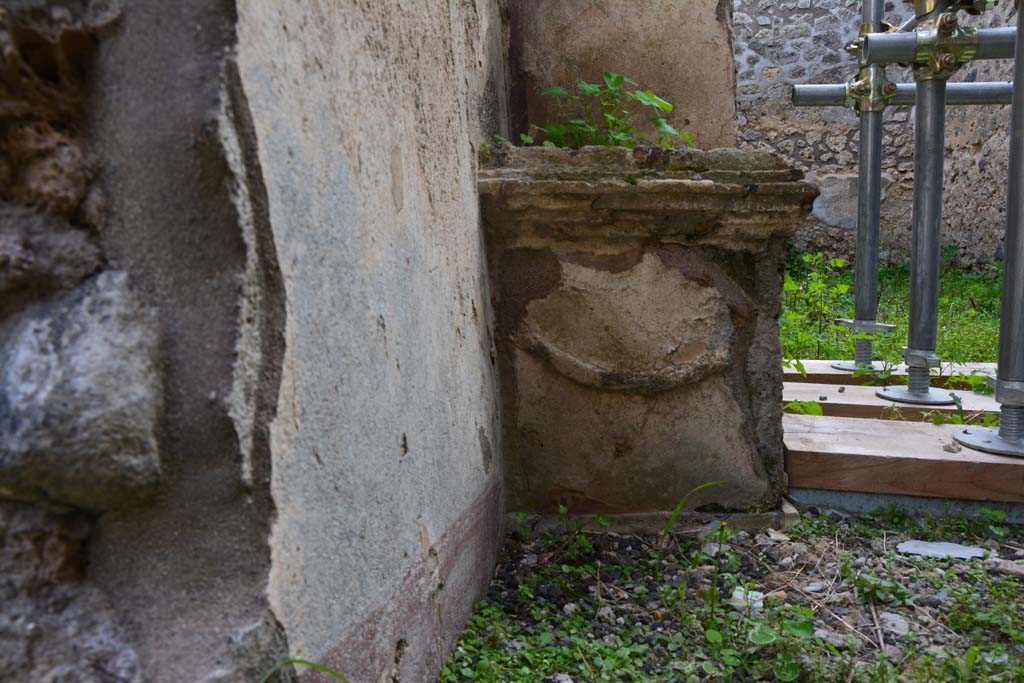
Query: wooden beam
[(841, 400), (822, 372), (892, 457)]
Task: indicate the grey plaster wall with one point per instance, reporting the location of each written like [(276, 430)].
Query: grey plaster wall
[(385, 445), (781, 43)]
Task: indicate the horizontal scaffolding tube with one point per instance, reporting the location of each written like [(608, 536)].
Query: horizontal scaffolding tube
[(956, 93), (901, 48)]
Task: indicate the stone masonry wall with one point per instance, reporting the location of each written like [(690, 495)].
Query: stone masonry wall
[(781, 43), (80, 395)]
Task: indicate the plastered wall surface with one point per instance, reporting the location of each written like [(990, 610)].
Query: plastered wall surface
[(778, 44), (679, 49), (243, 242), (385, 444)]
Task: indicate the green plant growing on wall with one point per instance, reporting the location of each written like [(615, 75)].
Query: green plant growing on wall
[(313, 665), (604, 114)]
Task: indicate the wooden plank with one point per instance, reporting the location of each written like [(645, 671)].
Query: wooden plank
[(822, 372), (892, 457), (860, 401)]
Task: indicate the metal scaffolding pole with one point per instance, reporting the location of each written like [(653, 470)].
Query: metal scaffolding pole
[(905, 48), (936, 45), (873, 91), (925, 251), (836, 94), (952, 47), (1008, 438)]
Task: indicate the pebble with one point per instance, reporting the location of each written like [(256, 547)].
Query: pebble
[(712, 548), (833, 638), (606, 614), (1006, 567), (894, 623), (570, 608), (551, 592), (816, 587), (892, 652), (530, 560), (561, 678)]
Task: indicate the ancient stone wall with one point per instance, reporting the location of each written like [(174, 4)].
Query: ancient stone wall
[(637, 295), (247, 387), (679, 49), (80, 394), (800, 41)]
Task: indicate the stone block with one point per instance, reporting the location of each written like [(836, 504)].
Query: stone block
[(55, 626), (638, 339), (836, 206), (40, 255), (79, 399)]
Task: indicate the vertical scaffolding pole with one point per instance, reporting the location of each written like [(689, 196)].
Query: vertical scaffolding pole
[(1008, 438), (869, 200), (925, 252)]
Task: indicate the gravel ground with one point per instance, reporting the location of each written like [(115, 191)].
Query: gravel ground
[(832, 599)]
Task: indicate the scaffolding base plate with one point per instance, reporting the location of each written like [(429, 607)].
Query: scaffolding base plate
[(851, 366), (987, 440), (900, 394)]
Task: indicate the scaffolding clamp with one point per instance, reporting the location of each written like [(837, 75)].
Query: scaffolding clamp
[(869, 90), (1007, 393), (865, 326), (917, 358), (943, 46)]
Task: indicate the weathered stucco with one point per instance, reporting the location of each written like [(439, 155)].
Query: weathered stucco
[(384, 469), (637, 296), (680, 50), (800, 41)]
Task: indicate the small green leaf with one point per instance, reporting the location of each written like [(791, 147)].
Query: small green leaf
[(559, 92), (663, 126), (547, 638), (613, 81), (526, 139), (713, 636), (800, 629), (786, 668), (303, 662), (762, 636), (804, 408), (588, 88)]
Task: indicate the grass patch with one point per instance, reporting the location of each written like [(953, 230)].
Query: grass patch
[(819, 290), (830, 600)]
